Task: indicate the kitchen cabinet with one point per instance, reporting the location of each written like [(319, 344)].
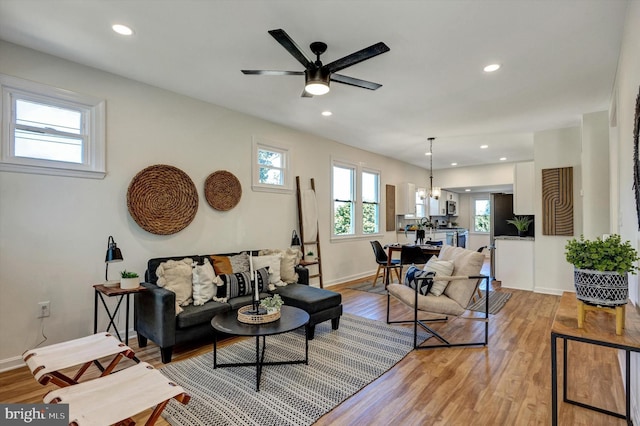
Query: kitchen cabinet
[(451, 196), (438, 207), (523, 188), (406, 199)]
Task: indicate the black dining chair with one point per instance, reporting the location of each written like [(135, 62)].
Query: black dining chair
[(383, 264), (412, 255)]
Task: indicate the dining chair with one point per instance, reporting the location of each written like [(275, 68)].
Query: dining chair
[(411, 255), (383, 264)]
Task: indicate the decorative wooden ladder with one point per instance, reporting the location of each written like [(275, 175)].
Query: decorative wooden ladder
[(303, 236)]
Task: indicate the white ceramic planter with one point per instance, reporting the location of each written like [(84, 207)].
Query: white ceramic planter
[(129, 283)]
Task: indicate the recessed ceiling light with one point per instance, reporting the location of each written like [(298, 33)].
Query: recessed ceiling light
[(327, 113), (492, 68), (454, 164), (122, 29), (484, 146), (503, 158), (467, 190)]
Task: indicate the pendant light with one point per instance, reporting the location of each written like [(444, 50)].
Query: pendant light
[(434, 191)]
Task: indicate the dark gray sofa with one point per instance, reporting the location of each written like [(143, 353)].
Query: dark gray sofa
[(155, 318)]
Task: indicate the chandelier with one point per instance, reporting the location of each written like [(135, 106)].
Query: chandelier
[(434, 191)]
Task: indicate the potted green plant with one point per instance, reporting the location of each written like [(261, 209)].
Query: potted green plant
[(521, 223), (272, 304), (309, 257), (601, 268), (129, 280)]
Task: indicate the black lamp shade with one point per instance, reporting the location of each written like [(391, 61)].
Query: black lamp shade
[(113, 252)]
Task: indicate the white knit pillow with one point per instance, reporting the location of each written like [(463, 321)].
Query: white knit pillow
[(273, 263), (442, 268), (175, 275)]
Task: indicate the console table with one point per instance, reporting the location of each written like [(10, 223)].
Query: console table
[(599, 329)]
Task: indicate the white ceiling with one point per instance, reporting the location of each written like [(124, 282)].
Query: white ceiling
[(558, 61)]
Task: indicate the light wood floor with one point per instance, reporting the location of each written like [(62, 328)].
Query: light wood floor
[(507, 383)]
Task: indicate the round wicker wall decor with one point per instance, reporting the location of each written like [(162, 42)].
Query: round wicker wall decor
[(162, 199), (222, 190)]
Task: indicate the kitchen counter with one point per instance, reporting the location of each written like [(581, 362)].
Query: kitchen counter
[(514, 237)]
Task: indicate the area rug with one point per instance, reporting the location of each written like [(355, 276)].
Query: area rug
[(341, 362), (497, 299), (366, 286)]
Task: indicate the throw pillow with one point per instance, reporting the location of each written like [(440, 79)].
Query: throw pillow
[(441, 268), (273, 263), (230, 264), (412, 279), (290, 258), (239, 284), (175, 275), (203, 287)]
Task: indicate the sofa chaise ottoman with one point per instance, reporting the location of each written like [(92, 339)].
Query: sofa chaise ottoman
[(155, 310)]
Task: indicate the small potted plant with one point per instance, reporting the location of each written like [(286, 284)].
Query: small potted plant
[(129, 280), (272, 304), (309, 257), (521, 223), (601, 269)]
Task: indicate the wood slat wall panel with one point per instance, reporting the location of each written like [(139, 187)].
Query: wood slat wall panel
[(557, 201)]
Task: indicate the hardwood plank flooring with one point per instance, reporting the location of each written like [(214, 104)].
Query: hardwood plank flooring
[(507, 383)]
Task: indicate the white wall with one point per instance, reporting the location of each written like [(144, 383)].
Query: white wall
[(53, 230), (595, 173), (555, 148), (625, 92)]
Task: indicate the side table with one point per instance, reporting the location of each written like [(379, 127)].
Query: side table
[(100, 292), (597, 330)]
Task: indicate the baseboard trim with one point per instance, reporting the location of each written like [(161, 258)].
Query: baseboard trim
[(346, 279), (546, 290)]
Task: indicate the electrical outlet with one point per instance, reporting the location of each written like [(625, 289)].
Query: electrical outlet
[(43, 309)]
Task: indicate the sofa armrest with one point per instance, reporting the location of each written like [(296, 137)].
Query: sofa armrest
[(303, 274), (155, 314)]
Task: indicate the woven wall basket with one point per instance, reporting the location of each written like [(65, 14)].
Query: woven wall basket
[(222, 190), (162, 199)]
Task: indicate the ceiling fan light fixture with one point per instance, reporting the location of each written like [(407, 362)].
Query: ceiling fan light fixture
[(316, 83)]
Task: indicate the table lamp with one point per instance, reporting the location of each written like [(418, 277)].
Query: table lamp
[(113, 255)]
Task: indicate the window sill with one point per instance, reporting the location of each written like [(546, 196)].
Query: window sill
[(51, 171)]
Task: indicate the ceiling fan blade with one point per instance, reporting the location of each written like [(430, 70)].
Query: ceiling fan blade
[(287, 42), (359, 56), (339, 78), (271, 72)]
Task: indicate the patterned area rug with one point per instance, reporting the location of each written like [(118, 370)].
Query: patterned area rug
[(497, 299), (341, 362)]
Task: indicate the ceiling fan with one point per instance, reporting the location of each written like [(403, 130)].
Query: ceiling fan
[(317, 75)]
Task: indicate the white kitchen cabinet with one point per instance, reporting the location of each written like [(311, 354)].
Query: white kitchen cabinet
[(438, 207), (406, 199), (514, 263), (523, 188), (452, 196)]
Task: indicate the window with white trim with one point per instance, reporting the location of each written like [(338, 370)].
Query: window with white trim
[(47, 130), (271, 167), (355, 200), (481, 215)]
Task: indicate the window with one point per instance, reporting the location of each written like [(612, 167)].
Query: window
[(421, 208), (51, 131), (355, 190), (481, 215), (271, 168), (370, 202)]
